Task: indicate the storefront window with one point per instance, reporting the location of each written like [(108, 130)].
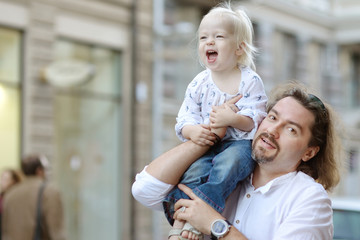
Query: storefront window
[(88, 143), (10, 72)]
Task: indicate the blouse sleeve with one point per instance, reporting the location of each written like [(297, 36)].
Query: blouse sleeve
[(253, 102), (190, 110)]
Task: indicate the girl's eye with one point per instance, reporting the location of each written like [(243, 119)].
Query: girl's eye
[(202, 38), (219, 36)]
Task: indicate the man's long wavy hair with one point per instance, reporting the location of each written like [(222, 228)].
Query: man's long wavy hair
[(324, 166)]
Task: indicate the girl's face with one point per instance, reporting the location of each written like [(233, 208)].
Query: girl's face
[(6, 181), (218, 49)]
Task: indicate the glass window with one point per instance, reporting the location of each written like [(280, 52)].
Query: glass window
[(346, 224), (289, 57), (88, 147), (10, 72), (355, 80)]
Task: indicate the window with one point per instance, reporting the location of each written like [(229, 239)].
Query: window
[(355, 80), (10, 100), (88, 143)]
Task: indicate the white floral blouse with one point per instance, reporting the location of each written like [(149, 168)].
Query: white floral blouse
[(202, 93)]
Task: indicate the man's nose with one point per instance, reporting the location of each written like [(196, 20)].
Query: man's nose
[(274, 131)]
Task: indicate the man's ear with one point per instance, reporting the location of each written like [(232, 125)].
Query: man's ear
[(240, 50), (310, 153)]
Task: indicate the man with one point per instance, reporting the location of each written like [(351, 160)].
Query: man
[(284, 198), (21, 202)]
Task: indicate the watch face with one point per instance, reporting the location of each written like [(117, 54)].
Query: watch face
[(219, 227)]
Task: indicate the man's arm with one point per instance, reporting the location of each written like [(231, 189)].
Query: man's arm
[(171, 165)]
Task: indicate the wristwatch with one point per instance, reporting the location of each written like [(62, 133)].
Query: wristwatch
[(219, 228)]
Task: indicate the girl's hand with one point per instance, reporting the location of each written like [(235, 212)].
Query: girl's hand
[(222, 116), (198, 213), (200, 134)]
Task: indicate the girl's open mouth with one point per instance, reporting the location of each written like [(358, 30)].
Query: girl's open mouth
[(211, 55)]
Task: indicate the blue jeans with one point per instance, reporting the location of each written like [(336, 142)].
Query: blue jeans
[(214, 176)]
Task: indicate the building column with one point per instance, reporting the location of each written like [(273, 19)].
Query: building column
[(265, 59), (38, 129), (331, 82), (302, 58)]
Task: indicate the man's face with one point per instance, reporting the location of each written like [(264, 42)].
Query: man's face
[(283, 137)]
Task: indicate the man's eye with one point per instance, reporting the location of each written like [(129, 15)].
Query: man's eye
[(292, 130), (271, 117)]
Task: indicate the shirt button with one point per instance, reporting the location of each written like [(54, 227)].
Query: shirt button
[(237, 221), (248, 195)]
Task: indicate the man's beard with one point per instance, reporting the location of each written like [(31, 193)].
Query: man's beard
[(259, 153)]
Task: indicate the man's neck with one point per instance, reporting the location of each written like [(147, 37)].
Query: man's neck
[(261, 176)]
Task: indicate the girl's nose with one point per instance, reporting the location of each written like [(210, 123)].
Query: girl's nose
[(210, 41)]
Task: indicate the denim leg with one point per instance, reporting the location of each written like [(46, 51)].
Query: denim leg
[(231, 165), (195, 175)]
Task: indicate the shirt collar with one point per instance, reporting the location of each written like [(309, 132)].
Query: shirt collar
[(275, 182)]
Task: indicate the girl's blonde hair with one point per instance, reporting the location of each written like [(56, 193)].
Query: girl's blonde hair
[(243, 31)]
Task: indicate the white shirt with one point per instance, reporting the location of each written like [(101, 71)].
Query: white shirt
[(202, 93), (291, 207)]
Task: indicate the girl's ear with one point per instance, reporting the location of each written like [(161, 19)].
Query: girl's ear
[(240, 50)]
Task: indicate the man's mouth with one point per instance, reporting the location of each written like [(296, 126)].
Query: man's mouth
[(268, 140)]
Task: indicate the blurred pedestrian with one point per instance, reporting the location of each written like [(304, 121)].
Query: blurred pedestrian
[(33, 209), (9, 177)]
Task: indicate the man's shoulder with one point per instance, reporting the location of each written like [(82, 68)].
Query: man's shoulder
[(307, 185), (20, 191), (51, 190)]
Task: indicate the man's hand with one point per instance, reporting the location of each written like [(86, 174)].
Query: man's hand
[(198, 213)]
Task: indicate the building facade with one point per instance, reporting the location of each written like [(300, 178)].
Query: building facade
[(95, 85), (75, 81)]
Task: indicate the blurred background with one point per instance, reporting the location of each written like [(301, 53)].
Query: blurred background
[(96, 86)]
